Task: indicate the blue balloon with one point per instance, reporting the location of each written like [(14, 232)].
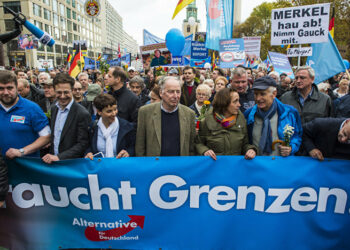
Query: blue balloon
[(347, 64), (175, 41)]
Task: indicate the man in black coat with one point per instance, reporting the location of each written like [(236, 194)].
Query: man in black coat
[(327, 137), (128, 102), (69, 123)]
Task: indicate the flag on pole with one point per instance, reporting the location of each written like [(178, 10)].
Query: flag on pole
[(119, 54), (331, 24), (325, 60), (219, 22), (99, 57), (69, 57), (180, 5), (77, 65)]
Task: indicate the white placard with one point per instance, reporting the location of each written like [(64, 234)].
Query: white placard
[(45, 64), (300, 25), (294, 52)]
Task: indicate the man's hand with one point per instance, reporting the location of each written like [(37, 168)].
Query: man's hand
[(211, 154), (123, 154), (90, 156), (49, 158), (250, 154), (13, 153), (317, 154), (2, 203), (284, 150)]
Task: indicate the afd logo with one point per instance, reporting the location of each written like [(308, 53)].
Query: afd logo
[(18, 119), (116, 230)]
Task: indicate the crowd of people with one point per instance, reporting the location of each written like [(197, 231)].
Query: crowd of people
[(185, 111)]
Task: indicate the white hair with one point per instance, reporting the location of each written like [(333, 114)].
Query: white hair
[(205, 88), (83, 74), (275, 74), (45, 74)]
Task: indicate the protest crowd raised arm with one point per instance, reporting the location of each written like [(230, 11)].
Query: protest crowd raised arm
[(193, 95)]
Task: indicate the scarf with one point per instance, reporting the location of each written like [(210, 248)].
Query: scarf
[(225, 122), (265, 144), (107, 135)]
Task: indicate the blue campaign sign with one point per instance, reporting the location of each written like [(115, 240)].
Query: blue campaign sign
[(198, 50), (177, 60), (90, 63), (281, 64), (182, 203), (114, 62), (199, 63), (232, 53), (126, 59)]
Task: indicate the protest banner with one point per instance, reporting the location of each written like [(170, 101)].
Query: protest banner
[(149, 55), (304, 51), (45, 64), (300, 25), (90, 63), (27, 41), (252, 47), (199, 63), (198, 50), (182, 203), (281, 64), (232, 52)]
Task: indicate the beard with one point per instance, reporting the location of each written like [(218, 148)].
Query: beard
[(9, 101)]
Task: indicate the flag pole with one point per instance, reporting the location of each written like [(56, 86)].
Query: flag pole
[(299, 56)]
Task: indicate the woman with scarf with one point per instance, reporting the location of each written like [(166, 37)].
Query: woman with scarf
[(111, 136), (224, 129)]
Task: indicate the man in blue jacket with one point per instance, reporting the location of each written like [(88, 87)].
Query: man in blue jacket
[(268, 118)]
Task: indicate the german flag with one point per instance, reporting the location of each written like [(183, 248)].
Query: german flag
[(77, 65), (331, 24), (180, 5), (69, 57), (99, 57)]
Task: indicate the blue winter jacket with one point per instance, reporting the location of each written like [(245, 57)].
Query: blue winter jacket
[(287, 114)]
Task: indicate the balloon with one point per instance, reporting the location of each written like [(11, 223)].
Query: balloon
[(347, 64), (175, 41)]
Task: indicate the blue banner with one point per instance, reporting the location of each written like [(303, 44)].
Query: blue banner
[(90, 63), (177, 60), (219, 22), (126, 59), (182, 203), (325, 60), (149, 38), (198, 50), (232, 53), (114, 62), (187, 48), (281, 64)]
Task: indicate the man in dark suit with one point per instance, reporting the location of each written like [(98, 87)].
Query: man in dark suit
[(327, 137), (69, 123)]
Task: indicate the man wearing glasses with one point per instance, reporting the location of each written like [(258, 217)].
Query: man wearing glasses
[(69, 123), (306, 98)]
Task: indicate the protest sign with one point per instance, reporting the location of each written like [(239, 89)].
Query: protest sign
[(155, 55), (252, 47), (199, 63), (177, 203), (89, 63), (232, 52), (198, 50), (304, 51), (300, 25), (27, 41), (45, 64), (281, 64)]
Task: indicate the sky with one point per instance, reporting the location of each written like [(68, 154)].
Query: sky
[(155, 16)]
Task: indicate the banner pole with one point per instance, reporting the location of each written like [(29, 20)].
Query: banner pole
[(299, 56)]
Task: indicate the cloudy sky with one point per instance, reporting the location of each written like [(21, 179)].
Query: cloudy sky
[(155, 16)]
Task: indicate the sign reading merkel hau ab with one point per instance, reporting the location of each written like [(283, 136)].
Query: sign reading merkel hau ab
[(300, 25), (182, 203)]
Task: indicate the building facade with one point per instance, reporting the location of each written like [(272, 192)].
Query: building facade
[(65, 21)]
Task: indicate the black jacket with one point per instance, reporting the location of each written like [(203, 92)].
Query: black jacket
[(128, 104), (126, 137), (4, 186), (75, 133), (246, 100), (35, 94), (322, 133)]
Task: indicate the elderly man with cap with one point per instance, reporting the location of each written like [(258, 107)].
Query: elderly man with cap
[(267, 121), (173, 72), (131, 72), (50, 96)]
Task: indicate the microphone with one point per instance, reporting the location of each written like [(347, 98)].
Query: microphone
[(43, 37)]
